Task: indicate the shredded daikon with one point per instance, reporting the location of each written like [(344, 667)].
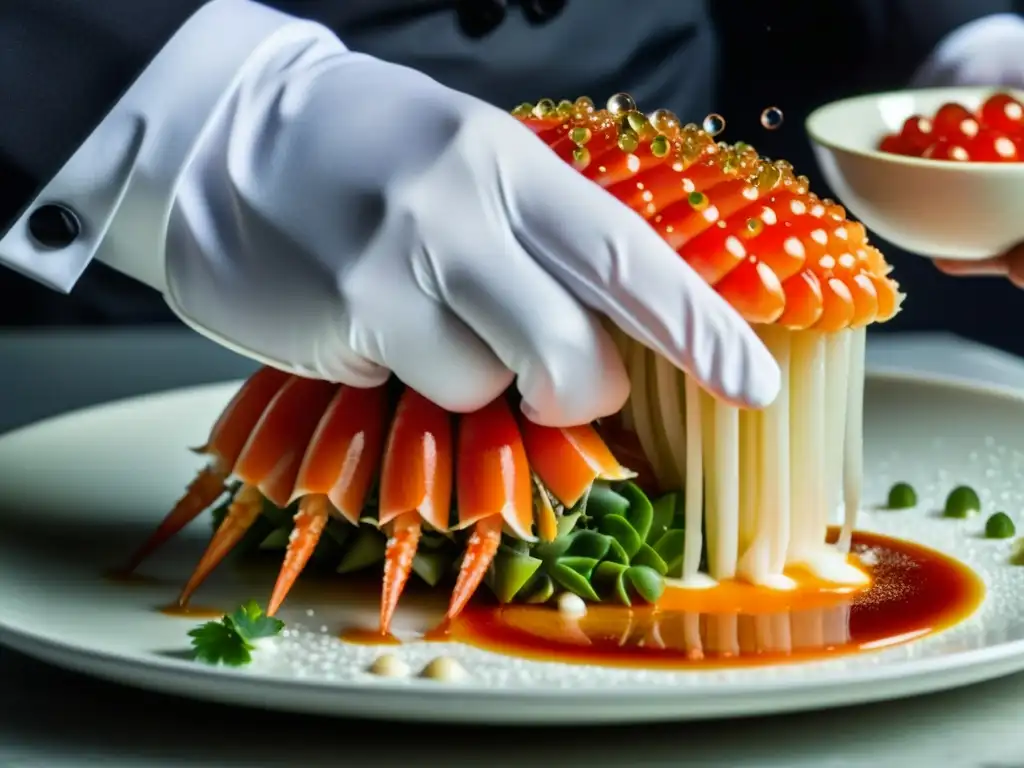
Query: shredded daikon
[(760, 487), (693, 515), (853, 445)]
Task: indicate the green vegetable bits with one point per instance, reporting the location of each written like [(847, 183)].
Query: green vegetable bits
[(1000, 526), (962, 502), (902, 496), (615, 545)]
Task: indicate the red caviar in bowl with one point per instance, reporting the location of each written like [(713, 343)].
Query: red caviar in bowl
[(994, 133)]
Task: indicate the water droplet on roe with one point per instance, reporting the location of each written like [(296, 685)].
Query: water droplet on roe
[(621, 103), (772, 118), (714, 124)]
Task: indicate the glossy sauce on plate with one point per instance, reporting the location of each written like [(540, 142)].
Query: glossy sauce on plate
[(915, 591)]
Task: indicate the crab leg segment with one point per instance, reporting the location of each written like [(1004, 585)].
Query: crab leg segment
[(415, 485), (480, 551), (569, 459), (272, 456), (310, 521), (398, 557), (268, 465), (245, 508), (335, 474), (494, 488), (227, 438), (345, 451)]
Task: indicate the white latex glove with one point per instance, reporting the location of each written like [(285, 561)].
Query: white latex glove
[(350, 218), (989, 51)]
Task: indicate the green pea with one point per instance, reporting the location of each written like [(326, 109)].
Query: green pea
[(999, 526), (962, 502), (902, 496)]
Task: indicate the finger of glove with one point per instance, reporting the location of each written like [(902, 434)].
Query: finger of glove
[(616, 263), (567, 367), (431, 350)]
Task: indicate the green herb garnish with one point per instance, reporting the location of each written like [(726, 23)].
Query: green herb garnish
[(902, 496), (962, 502), (230, 640), (1000, 526)]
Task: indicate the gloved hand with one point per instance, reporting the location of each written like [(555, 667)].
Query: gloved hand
[(349, 218), (989, 51)]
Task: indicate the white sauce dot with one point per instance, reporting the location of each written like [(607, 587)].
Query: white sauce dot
[(389, 665), (571, 605), (445, 669)]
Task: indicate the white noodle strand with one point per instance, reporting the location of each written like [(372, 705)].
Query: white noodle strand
[(694, 494), (726, 480), (853, 445)]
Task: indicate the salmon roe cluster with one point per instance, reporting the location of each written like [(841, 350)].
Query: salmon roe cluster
[(749, 226), (992, 134)]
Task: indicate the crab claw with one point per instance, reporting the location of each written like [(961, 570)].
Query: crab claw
[(310, 521), (398, 557), (569, 459), (480, 551), (267, 465), (415, 485), (336, 472), (494, 488), (242, 513), (227, 438)]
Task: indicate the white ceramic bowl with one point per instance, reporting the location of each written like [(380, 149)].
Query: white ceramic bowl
[(930, 207)]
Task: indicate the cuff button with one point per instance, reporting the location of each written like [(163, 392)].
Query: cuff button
[(54, 226)]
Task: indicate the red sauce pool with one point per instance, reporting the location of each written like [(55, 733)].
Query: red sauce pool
[(915, 591)]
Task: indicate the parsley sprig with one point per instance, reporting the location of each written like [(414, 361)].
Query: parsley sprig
[(230, 640)]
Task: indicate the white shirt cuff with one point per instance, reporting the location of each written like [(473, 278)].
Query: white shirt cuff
[(121, 182), (973, 54)]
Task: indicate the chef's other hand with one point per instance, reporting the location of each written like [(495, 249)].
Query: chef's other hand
[(987, 52), (1009, 265), (349, 218)]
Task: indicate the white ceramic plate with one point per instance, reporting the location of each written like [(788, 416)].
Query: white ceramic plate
[(79, 491)]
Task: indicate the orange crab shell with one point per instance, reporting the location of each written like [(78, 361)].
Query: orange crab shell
[(322, 444)]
